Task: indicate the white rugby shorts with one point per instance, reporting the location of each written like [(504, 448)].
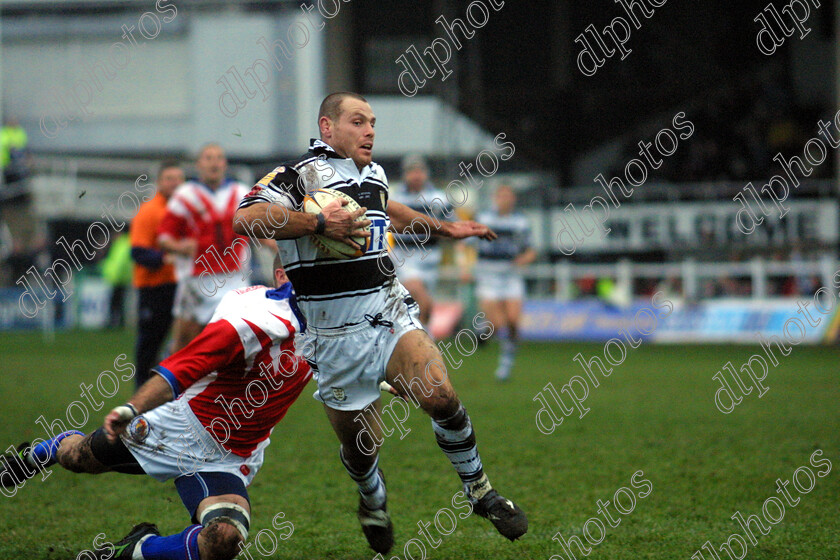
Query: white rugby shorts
[(195, 299), (418, 267), (498, 287), (349, 362), (169, 441)]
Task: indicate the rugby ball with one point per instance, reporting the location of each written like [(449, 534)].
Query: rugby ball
[(312, 204)]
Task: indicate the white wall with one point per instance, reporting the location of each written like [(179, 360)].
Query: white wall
[(59, 78), (167, 94)]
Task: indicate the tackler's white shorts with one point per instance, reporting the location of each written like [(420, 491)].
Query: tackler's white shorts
[(169, 441)]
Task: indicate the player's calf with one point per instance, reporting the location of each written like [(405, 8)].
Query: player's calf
[(28, 460), (223, 527), (74, 454), (417, 371), (456, 438)]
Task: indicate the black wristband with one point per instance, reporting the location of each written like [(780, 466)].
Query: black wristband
[(322, 223)]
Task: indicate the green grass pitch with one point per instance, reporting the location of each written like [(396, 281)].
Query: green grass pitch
[(655, 413)]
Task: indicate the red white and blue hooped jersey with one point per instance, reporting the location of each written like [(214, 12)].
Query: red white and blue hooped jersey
[(242, 373), (196, 211)]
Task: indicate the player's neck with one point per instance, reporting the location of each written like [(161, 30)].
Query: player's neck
[(340, 153), (212, 185)]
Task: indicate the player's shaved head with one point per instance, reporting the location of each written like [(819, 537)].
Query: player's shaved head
[(210, 146), (211, 165), (331, 105), (346, 123)]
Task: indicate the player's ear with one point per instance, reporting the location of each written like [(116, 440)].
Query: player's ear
[(280, 277), (325, 126)]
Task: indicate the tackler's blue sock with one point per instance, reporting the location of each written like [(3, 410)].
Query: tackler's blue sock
[(182, 546), (43, 454)]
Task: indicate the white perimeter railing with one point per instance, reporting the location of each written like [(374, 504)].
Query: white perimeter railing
[(557, 281)]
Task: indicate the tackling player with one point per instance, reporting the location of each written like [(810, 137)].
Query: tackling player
[(362, 322), (499, 284), (417, 257), (209, 255), (192, 422)]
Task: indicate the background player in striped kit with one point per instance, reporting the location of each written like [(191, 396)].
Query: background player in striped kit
[(417, 257), (500, 287)]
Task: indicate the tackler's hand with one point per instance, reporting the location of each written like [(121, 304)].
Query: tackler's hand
[(117, 421)]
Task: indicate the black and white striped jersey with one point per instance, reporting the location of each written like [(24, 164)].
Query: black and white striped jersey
[(514, 233), (331, 292)]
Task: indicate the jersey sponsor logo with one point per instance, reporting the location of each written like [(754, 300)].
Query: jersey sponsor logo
[(378, 227), (245, 469), (139, 429), (339, 394)]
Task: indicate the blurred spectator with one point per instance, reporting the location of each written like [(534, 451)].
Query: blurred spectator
[(154, 278), (22, 256), (13, 153), (801, 284), (116, 270), (671, 288), (19, 261)]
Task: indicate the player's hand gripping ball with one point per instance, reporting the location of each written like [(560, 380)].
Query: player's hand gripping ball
[(313, 203)]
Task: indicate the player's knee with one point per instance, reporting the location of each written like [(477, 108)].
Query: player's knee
[(443, 404), (221, 540), (226, 525)]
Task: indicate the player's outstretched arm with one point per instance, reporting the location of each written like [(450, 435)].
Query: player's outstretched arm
[(406, 220), (151, 394), (469, 228), (282, 223)]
